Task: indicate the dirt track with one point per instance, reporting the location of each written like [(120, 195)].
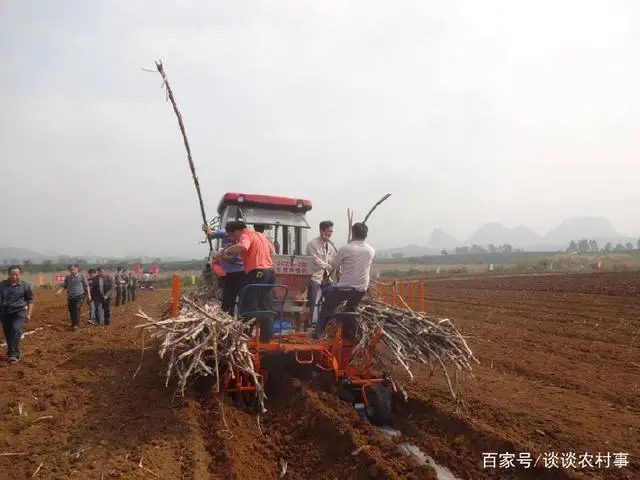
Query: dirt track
[(560, 372)]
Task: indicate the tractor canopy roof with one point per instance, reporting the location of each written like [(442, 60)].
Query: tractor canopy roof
[(267, 209), (264, 201)]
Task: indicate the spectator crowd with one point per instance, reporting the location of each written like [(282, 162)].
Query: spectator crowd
[(97, 289)]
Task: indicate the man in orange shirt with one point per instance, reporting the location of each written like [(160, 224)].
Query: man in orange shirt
[(255, 250), (260, 228)]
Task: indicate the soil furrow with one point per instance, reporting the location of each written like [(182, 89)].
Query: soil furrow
[(317, 435)]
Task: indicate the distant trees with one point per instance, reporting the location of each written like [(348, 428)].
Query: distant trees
[(591, 246), (397, 256), (48, 266), (479, 249), (583, 245), (444, 252)]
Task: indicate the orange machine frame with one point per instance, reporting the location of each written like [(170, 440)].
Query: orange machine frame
[(335, 356)]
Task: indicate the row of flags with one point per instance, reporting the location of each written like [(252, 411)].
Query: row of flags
[(154, 268)]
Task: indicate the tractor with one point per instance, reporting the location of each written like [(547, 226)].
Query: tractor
[(328, 359), (147, 281)]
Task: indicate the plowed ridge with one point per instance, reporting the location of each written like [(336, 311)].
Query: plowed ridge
[(560, 372)]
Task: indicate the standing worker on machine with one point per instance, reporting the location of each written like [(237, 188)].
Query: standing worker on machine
[(233, 267), (255, 250), (354, 261), (322, 250)]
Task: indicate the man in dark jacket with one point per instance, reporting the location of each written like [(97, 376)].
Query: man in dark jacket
[(16, 304), (92, 311), (77, 289), (121, 291), (132, 285), (101, 291)]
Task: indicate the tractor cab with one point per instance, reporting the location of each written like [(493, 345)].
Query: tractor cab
[(283, 220)]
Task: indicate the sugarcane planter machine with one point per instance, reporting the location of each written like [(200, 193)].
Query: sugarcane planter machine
[(327, 359), (283, 220)]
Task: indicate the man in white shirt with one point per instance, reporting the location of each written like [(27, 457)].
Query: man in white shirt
[(322, 250), (354, 261)]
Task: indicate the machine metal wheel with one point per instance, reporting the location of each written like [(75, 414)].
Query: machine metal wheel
[(345, 395), (325, 380), (275, 368), (379, 404)]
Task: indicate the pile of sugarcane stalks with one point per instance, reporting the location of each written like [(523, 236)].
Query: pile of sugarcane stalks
[(205, 341), (202, 341), (406, 337)]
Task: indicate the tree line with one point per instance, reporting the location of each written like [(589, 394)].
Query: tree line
[(591, 246), (61, 264), (491, 248)]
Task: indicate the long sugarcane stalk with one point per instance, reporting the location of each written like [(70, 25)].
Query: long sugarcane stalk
[(378, 203), (165, 83)]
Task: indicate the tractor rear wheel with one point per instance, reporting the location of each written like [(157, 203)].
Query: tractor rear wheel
[(379, 404)]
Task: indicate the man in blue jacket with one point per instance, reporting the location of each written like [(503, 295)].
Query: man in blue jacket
[(16, 305), (234, 278)]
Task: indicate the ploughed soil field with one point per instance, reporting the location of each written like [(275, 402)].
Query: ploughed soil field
[(559, 373)]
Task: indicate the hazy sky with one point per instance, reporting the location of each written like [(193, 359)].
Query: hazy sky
[(471, 111)]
